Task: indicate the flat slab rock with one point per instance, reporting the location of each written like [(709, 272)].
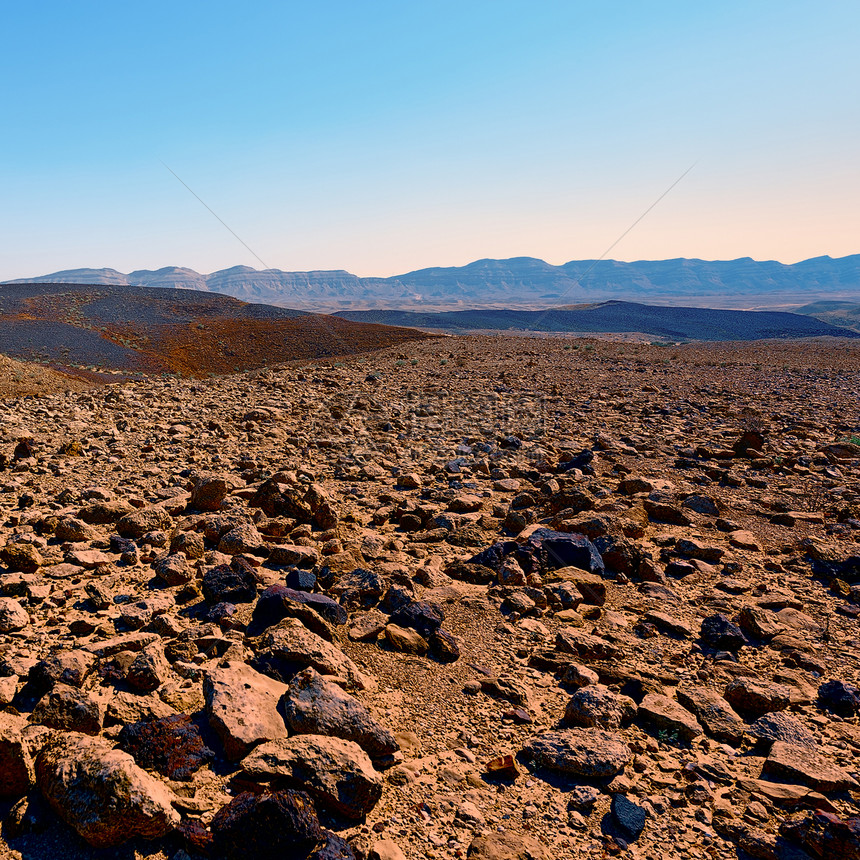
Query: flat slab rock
[(716, 715), (807, 767), (665, 714), (590, 753), (242, 707)]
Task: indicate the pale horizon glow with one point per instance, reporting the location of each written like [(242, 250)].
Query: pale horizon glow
[(385, 137)]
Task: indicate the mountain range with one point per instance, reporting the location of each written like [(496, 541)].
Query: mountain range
[(518, 282)]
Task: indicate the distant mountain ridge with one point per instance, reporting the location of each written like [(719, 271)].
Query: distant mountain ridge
[(516, 282)]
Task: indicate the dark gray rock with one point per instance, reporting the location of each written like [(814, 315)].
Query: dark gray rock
[(629, 816), (314, 706)]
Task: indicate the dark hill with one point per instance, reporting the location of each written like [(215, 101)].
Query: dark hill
[(845, 314), (169, 330), (675, 323)]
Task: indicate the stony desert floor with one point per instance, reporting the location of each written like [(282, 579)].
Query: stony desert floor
[(480, 596)]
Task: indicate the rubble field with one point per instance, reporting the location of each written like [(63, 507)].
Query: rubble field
[(493, 597)]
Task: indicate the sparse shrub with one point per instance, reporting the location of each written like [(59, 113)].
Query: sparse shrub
[(414, 362)]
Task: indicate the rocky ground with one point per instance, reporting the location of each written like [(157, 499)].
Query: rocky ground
[(486, 597)]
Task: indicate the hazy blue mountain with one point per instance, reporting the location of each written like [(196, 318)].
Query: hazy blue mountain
[(516, 282)]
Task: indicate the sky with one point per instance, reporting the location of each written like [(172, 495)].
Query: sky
[(385, 136)]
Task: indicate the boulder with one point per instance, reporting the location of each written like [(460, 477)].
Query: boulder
[(628, 816), (753, 697), (137, 523), (839, 697), (507, 846), (233, 583), (599, 707), (242, 707), (420, 615), (13, 616), (716, 715), (800, 764), (21, 557), (405, 640), (16, 766), (336, 772), (270, 826), (170, 745), (274, 604), (243, 540), (70, 709), (288, 647), (720, 633), (586, 753), (667, 716), (209, 492), (101, 793), (314, 706), (781, 726)]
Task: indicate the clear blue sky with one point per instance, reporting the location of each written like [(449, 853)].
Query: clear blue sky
[(383, 136)]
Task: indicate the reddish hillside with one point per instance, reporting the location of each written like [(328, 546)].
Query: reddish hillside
[(173, 331)]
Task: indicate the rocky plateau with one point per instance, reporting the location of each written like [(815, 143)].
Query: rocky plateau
[(488, 597)]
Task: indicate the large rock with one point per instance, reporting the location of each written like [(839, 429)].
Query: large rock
[(230, 583), (507, 846), (13, 616), (586, 753), (314, 706), (716, 715), (585, 646), (64, 666), (669, 717), (105, 512), (242, 707), (271, 826), (420, 615), (16, 766), (21, 557), (808, 767), (336, 772), (826, 835), (149, 669), (719, 632), (754, 697), (781, 726), (170, 745), (590, 586), (599, 707), (280, 500), (289, 647), (209, 492), (243, 540), (101, 793), (840, 697), (552, 550), (277, 601), (136, 524), (70, 709), (406, 641), (628, 816)]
